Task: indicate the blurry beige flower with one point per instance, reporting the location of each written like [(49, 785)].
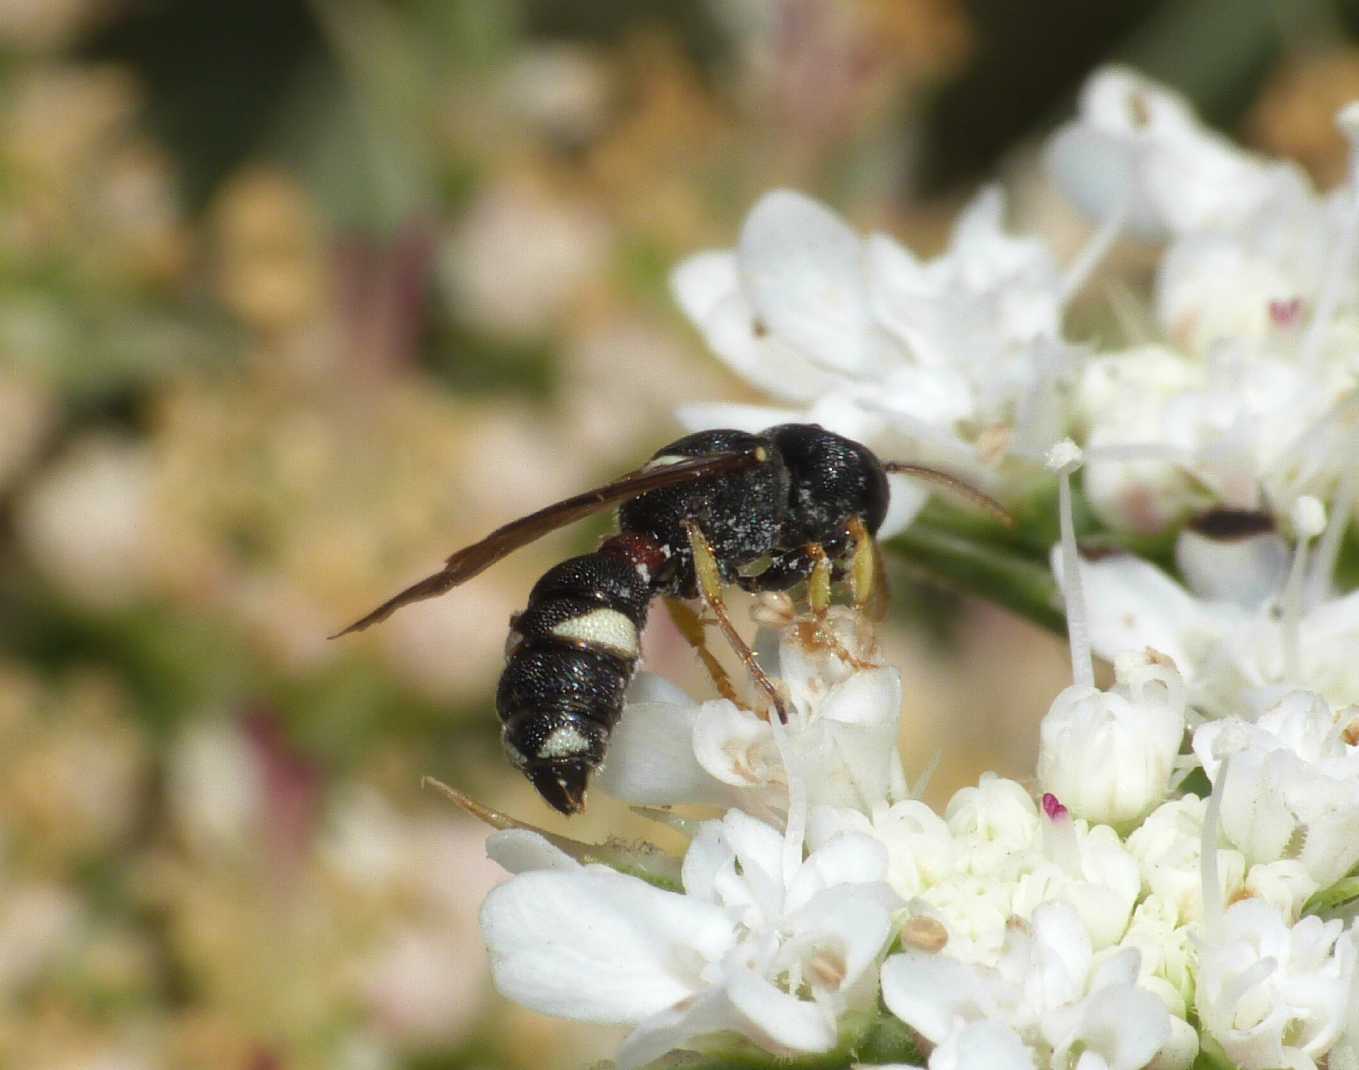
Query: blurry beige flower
[(39, 25), (39, 921), (87, 523), (613, 415), (73, 782), (270, 268), (562, 89), (214, 786), (56, 124), (135, 211), (423, 978), (648, 163), (520, 255), (27, 410), (58, 118), (322, 502)]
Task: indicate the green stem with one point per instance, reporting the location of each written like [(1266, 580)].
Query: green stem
[(989, 570)]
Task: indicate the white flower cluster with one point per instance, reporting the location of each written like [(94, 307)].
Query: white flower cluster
[(1082, 928), (1238, 389), (1112, 918)]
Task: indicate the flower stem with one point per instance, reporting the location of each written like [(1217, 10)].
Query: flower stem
[(983, 568)]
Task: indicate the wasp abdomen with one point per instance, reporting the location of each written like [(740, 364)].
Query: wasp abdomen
[(571, 654), (579, 622)]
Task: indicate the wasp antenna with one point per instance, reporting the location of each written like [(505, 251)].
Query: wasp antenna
[(958, 486)]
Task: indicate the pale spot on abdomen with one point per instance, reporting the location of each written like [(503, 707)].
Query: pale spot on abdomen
[(605, 630)]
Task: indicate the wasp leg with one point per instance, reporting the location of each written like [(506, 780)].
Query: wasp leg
[(867, 577), (691, 628), (710, 590), (819, 581), (815, 631)]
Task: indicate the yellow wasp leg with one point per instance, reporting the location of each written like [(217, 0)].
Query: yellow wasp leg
[(867, 580), (819, 582), (691, 628), (710, 591)]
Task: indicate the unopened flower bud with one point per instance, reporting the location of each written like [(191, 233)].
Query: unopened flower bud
[(1108, 754)]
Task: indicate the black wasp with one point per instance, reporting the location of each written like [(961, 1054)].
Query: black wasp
[(794, 503)]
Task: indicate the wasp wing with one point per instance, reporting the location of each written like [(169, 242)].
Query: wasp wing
[(475, 559)]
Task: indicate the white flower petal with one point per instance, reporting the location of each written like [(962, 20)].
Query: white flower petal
[(597, 946), (733, 745), (934, 396), (704, 280), (1119, 968), (849, 858), (1097, 172), (930, 993), (1138, 148), (824, 822), (908, 497), (652, 687), (1286, 884), (1180, 1051), (758, 846), (802, 269), (866, 709), (706, 857), (997, 820), (851, 923), (762, 358), (983, 1046), (709, 415), (670, 1029), (1242, 570), (1062, 954), (868, 699), (707, 288), (651, 758), (1272, 994), (777, 1020), (920, 849), (1133, 605), (737, 862)]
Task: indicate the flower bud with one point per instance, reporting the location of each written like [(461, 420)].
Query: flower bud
[(1108, 754)]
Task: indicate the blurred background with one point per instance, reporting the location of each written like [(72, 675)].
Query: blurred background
[(297, 298)]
